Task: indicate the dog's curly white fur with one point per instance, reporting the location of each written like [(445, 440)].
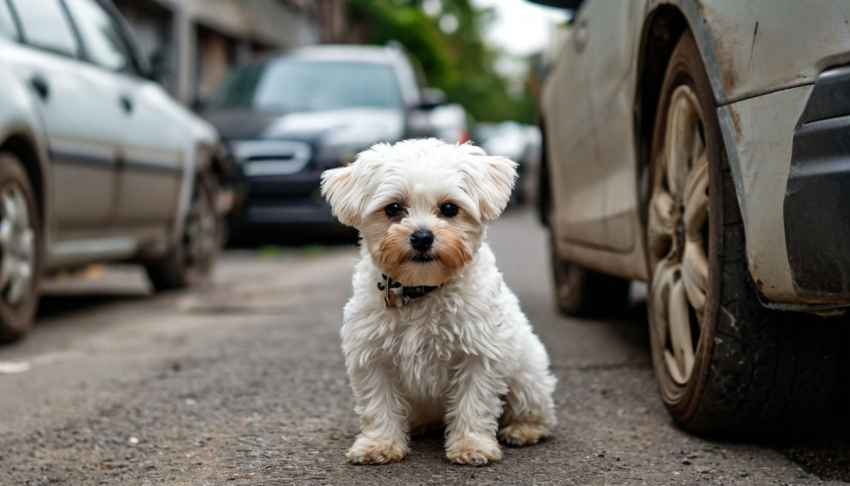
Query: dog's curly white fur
[(463, 356)]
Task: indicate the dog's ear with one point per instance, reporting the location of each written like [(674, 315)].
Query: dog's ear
[(348, 188), (491, 179), (338, 189)]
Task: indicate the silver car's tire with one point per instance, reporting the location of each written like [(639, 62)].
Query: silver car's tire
[(580, 292), (20, 249), (191, 261), (726, 365)]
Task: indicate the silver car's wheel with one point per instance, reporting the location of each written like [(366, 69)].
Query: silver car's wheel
[(17, 245), (191, 261), (677, 234), (20, 236), (584, 293), (201, 236)]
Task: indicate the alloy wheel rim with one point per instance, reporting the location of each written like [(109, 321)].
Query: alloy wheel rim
[(17, 246), (678, 235)]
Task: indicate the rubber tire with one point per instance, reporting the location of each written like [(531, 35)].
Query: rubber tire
[(758, 373), (16, 321), (171, 272), (580, 292)]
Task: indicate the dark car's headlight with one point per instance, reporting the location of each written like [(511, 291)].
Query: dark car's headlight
[(337, 155)]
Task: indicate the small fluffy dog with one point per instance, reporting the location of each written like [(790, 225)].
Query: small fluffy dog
[(432, 335)]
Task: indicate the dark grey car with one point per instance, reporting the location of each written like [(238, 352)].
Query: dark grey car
[(288, 119)]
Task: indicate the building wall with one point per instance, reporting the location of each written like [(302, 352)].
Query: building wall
[(205, 38), (216, 54)]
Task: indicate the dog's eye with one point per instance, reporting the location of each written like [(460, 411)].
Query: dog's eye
[(449, 210), (393, 209)]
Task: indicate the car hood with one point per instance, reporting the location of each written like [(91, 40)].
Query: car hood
[(353, 126), (240, 124)]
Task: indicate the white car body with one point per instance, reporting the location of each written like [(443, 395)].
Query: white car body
[(111, 155), (763, 59), (450, 123)]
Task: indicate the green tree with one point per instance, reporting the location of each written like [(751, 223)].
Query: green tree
[(458, 62)]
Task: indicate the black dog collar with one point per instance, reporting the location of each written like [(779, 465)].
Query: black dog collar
[(398, 295)]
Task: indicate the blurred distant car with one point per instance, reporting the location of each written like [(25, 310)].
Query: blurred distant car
[(289, 118), (97, 162), (451, 123), (520, 143), (702, 146)]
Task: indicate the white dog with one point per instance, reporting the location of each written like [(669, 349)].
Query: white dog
[(432, 335)]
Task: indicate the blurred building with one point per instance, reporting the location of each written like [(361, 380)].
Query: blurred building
[(199, 40)]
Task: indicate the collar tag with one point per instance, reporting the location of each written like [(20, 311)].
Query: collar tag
[(395, 293)]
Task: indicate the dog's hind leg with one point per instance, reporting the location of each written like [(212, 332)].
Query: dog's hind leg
[(529, 413)]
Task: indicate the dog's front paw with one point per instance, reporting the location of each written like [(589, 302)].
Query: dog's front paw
[(523, 434), (379, 450), (474, 450)]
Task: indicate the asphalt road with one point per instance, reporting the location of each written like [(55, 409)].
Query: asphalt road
[(245, 385)]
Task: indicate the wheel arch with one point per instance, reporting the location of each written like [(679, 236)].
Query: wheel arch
[(661, 32), (543, 203), (24, 147)]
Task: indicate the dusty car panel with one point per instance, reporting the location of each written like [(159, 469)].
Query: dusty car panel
[(812, 36), (749, 82), (760, 163), (739, 63)]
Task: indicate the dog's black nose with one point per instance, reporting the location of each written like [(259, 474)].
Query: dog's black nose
[(421, 240)]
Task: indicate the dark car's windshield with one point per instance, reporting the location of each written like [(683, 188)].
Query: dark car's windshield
[(299, 85)]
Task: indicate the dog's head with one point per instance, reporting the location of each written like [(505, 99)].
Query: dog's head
[(420, 205)]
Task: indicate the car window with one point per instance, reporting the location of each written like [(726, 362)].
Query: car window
[(296, 85), (46, 26), (103, 41), (8, 28)]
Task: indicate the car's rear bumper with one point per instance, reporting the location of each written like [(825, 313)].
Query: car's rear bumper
[(791, 168), (817, 198)]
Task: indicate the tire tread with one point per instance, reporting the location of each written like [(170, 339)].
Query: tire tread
[(769, 374)]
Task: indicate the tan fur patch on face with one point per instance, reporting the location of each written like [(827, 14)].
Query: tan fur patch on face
[(450, 247), (452, 250), (393, 249)]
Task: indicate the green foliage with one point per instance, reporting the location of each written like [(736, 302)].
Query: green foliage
[(459, 63)]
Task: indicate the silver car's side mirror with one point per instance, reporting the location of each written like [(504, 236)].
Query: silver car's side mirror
[(565, 4)]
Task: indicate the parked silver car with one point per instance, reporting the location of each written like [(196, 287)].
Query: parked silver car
[(520, 143), (701, 146), (97, 162)]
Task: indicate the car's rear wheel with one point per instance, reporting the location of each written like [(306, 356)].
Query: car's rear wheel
[(726, 365), (20, 243), (190, 262), (580, 292)]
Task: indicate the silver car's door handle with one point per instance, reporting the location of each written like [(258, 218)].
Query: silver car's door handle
[(127, 104), (39, 84), (581, 34)]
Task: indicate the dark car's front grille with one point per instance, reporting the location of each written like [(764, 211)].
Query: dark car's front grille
[(270, 158)]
